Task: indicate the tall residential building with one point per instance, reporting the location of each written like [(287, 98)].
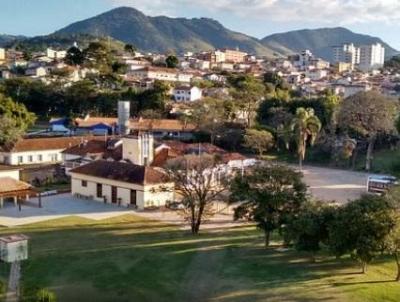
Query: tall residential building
[(224, 55), (234, 56), (371, 57), (347, 53), (2, 54)]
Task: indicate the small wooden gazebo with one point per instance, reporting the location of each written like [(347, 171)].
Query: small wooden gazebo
[(15, 189)]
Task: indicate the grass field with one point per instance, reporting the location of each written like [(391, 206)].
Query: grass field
[(132, 259)]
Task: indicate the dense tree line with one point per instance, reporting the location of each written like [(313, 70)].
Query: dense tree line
[(81, 97), (275, 198)]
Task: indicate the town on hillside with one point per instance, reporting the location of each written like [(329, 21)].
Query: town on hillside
[(202, 175)]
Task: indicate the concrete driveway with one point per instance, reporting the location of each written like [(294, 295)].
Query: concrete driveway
[(57, 206), (64, 205)]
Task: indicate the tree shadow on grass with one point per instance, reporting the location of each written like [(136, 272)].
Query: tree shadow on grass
[(151, 258), (364, 282)]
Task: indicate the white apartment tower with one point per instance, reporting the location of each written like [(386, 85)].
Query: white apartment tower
[(347, 53), (372, 57), (2, 54)]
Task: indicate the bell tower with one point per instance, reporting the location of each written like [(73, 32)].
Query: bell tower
[(138, 148)]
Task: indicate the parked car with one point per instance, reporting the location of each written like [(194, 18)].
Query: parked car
[(380, 183), (176, 206)]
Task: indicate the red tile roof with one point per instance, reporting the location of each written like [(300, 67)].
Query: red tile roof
[(95, 147), (8, 184), (124, 172), (139, 124), (160, 125), (176, 149), (38, 144), (91, 121)]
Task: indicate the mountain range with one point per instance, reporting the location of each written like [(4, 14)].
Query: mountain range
[(320, 41), (163, 34)]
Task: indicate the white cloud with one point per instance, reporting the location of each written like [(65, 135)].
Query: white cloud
[(321, 11)]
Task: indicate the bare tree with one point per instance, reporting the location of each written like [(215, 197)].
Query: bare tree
[(199, 182)]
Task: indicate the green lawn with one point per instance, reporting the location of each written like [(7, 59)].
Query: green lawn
[(132, 259)]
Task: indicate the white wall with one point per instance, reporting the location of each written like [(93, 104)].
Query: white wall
[(182, 95), (12, 158), (10, 252), (145, 195), (162, 75), (10, 173)]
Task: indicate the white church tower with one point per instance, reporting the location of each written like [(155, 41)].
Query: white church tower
[(138, 148)]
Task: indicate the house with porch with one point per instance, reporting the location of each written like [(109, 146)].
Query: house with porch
[(12, 188)]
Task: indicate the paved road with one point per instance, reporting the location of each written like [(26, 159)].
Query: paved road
[(334, 184)]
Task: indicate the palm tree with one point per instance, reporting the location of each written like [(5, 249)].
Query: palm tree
[(306, 126)]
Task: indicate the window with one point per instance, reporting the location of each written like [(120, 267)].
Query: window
[(30, 158), (84, 183), (99, 190), (53, 157), (20, 159), (40, 157)]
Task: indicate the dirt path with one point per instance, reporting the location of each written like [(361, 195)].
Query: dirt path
[(13, 282), (201, 277)]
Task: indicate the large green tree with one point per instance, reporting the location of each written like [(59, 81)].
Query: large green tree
[(74, 56), (210, 115), (258, 140), (15, 119), (172, 61), (309, 228), (392, 244), (248, 92), (268, 195), (367, 115), (361, 227), (98, 55), (306, 127)]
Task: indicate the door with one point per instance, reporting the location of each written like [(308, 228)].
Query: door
[(133, 197), (114, 194), (99, 191)]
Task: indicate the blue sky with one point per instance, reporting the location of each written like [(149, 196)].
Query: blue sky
[(254, 17)]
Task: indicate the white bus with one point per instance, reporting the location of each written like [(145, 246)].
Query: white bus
[(380, 183)]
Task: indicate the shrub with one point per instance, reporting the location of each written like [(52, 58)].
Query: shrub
[(45, 295)]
